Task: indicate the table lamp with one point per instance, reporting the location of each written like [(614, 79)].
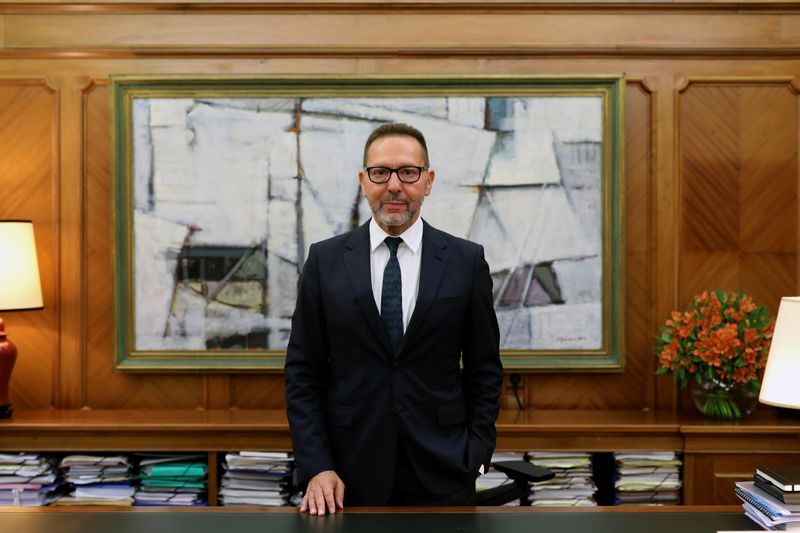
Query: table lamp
[(780, 384), (20, 290)]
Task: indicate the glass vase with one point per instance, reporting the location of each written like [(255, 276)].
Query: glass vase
[(724, 400)]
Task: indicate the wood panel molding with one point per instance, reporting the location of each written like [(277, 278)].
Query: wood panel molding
[(639, 227), (395, 6), (789, 80), (405, 52), (45, 82), (89, 86), (502, 32), (666, 213)]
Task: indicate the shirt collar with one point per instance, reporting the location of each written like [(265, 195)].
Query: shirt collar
[(412, 236)]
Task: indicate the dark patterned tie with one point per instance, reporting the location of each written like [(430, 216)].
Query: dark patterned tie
[(392, 295)]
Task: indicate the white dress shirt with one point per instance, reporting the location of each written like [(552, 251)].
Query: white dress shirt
[(409, 255)]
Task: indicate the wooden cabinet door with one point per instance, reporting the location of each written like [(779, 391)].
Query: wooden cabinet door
[(709, 477)]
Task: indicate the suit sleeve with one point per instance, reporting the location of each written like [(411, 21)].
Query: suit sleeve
[(306, 371), (482, 373)]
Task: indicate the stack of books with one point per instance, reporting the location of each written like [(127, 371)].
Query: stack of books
[(256, 478), (28, 479), (97, 480), (494, 478), (172, 479), (572, 485), (647, 478), (772, 499)]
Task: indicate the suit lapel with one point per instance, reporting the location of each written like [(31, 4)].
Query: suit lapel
[(432, 268), (357, 263)]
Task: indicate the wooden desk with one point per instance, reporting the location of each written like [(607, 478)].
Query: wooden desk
[(715, 453), (429, 520)]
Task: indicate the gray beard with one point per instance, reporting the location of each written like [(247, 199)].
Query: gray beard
[(393, 220)]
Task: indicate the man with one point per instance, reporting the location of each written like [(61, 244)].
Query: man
[(380, 411)]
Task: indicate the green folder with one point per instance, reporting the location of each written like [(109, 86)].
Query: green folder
[(182, 470)]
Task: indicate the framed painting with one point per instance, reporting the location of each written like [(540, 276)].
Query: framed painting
[(221, 184)]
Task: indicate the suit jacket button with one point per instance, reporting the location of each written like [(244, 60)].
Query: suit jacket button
[(395, 367), (392, 411)]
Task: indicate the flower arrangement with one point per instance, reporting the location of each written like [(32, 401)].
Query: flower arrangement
[(721, 338)]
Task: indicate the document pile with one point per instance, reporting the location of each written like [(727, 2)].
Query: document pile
[(493, 478), (172, 479), (97, 480), (572, 484), (647, 478), (766, 509), (256, 478), (28, 479)]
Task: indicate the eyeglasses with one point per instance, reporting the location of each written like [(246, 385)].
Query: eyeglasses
[(405, 174)]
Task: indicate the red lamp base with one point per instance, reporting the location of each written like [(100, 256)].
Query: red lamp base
[(8, 356)]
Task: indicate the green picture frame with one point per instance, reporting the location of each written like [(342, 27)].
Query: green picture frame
[(188, 148)]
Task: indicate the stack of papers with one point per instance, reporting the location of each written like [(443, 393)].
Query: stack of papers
[(172, 479), (766, 510), (572, 484), (647, 478), (256, 478), (28, 479), (97, 480), (494, 478)]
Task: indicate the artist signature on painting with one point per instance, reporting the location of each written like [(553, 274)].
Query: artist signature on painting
[(571, 339)]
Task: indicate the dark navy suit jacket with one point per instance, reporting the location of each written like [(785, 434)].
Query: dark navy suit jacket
[(350, 398)]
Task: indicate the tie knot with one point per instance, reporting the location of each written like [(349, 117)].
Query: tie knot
[(393, 243)]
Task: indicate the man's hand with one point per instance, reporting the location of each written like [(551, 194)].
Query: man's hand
[(325, 491)]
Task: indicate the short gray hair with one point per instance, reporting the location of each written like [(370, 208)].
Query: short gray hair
[(397, 129)]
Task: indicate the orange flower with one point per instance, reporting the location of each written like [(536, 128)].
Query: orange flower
[(722, 334), (746, 305)]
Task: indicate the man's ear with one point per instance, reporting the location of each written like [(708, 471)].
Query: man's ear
[(361, 177), (429, 183)]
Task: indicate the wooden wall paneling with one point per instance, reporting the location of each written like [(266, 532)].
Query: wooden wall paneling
[(739, 167), (217, 391), (739, 170), (99, 299), (666, 212), (105, 388), (29, 126), (639, 328), (264, 391), (796, 86), (71, 263), (724, 40), (768, 194)]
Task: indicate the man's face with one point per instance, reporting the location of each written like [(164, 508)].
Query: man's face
[(395, 205)]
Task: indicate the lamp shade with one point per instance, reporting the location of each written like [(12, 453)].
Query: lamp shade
[(780, 384), (20, 287)]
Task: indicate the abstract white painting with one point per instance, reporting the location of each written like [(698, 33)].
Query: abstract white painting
[(229, 193)]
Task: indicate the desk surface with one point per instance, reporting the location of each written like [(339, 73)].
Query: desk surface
[(488, 520)]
